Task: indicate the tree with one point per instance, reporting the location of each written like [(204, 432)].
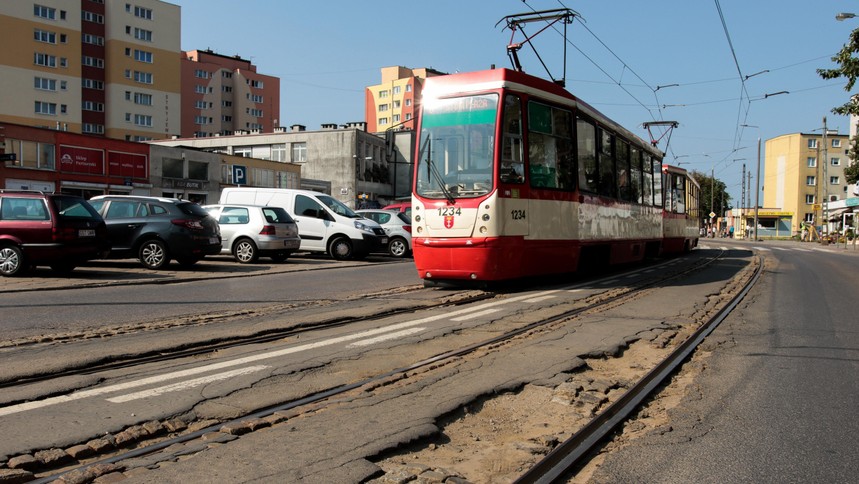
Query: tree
[(848, 67), (721, 199)]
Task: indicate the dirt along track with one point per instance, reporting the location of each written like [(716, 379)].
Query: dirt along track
[(484, 417)]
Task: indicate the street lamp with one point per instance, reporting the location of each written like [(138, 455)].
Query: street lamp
[(844, 16)]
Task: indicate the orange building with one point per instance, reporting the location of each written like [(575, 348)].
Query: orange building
[(223, 94), (393, 103)]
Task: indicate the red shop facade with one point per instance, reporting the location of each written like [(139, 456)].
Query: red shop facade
[(62, 162)]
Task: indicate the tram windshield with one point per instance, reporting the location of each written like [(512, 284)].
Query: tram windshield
[(457, 147)]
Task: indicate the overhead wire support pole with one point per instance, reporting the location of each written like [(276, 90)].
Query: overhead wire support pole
[(551, 17)]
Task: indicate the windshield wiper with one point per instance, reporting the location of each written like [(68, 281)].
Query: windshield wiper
[(431, 168)]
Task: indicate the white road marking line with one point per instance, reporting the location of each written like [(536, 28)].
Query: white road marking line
[(475, 315), (541, 298), (761, 248), (175, 387), (384, 337), (23, 407)]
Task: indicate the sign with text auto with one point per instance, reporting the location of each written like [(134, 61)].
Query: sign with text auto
[(75, 159)]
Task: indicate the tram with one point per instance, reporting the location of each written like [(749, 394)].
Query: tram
[(680, 229), (515, 177)]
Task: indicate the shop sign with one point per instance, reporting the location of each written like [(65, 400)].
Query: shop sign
[(81, 160)]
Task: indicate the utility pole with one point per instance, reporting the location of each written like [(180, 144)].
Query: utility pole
[(757, 189), (743, 202), (825, 182)]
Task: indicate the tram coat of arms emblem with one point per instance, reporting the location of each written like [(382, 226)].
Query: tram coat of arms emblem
[(448, 221)]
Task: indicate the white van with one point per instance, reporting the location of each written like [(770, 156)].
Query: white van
[(324, 223)]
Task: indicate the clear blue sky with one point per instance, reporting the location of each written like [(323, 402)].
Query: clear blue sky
[(326, 52)]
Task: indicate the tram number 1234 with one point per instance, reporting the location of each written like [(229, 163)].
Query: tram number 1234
[(517, 214), (449, 211)]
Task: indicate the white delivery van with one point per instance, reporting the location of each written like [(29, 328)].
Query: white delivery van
[(324, 223)]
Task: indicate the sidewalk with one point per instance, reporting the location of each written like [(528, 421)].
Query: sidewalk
[(129, 271)]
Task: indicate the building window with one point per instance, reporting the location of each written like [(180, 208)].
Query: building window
[(383, 108), (91, 17), (172, 168), (143, 56), (200, 89), (383, 94), (45, 84), (144, 99), (45, 36), (834, 180), (835, 161), (199, 73), (92, 106), (833, 198), (809, 199), (144, 13), (226, 74), (198, 170), (143, 77), (142, 34), (227, 119), (812, 162), (809, 218), (396, 118), (836, 143), (92, 84), (45, 12), (810, 181), (299, 152), (201, 120), (200, 104), (92, 39), (226, 89), (408, 116), (396, 89), (92, 62), (812, 143), (278, 152), (408, 88), (91, 128), (143, 120), (256, 84), (383, 121), (44, 60), (46, 108), (408, 102)]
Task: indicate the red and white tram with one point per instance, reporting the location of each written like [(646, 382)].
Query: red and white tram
[(680, 229), (516, 177)]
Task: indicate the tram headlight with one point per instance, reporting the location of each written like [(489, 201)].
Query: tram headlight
[(417, 218), (486, 217)]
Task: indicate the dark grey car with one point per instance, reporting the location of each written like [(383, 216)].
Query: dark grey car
[(155, 230)]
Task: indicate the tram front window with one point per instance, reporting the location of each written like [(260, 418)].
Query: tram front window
[(457, 147)]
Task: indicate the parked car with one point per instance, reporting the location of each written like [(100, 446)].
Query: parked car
[(155, 230), (405, 207), (325, 224), (61, 231), (398, 227), (251, 231)]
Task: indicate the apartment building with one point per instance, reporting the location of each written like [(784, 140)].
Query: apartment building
[(802, 172), (100, 67), (223, 94), (393, 103)]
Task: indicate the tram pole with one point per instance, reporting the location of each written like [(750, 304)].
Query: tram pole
[(757, 188)]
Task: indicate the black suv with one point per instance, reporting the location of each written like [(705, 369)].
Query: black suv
[(61, 231), (155, 230)]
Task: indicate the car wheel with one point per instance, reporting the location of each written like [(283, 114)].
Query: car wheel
[(341, 248), (398, 247), (153, 254), (280, 256), (11, 261), (63, 267), (245, 251)]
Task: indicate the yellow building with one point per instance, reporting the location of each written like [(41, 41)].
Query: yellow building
[(104, 67), (802, 172), (393, 103)]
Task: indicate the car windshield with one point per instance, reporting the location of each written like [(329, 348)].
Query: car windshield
[(74, 207), (190, 208), (337, 206), (457, 147)]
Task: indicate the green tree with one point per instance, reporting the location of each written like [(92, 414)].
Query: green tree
[(848, 68), (720, 198)]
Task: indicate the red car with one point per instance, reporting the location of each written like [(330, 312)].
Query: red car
[(60, 231)]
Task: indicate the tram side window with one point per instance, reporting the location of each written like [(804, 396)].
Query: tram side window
[(550, 146), (586, 140), (624, 191), (637, 192), (607, 171), (657, 182), (678, 193), (647, 183), (512, 162)]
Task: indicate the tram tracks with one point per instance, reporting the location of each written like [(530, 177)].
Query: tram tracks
[(601, 300)]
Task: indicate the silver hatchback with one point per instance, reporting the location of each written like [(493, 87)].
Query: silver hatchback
[(251, 231)]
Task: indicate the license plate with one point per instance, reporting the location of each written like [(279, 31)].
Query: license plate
[(86, 233), (214, 240), (289, 244)]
